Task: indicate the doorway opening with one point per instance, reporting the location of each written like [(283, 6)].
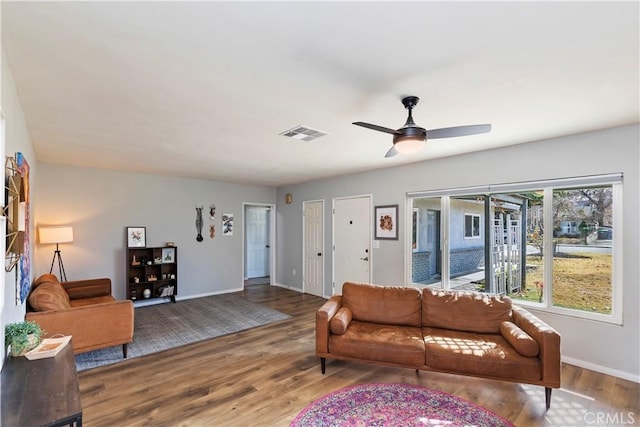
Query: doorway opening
[(258, 243)]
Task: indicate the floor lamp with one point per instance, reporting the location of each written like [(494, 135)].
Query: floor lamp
[(56, 235)]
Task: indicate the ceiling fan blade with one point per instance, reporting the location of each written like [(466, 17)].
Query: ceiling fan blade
[(376, 127), (458, 131), (392, 152)]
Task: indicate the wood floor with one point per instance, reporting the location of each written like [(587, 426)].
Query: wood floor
[(265, 376)]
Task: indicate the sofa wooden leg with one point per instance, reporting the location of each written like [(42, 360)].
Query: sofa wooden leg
[(124, 351), (323, 364), (547, 396)]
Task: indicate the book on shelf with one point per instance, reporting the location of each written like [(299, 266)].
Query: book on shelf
[(49, 347)]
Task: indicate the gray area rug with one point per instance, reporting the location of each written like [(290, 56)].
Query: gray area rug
[(164, 326)]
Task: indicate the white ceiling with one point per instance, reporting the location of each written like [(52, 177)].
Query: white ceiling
[(203, 89)]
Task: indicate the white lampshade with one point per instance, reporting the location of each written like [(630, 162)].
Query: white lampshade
[(62, 234), (409, 144)]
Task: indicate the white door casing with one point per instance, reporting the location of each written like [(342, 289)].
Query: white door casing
[(257, 241), (313, 268), (351, 241)]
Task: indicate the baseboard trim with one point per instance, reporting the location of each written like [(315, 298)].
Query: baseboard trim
[(280, 285), (602, 369)]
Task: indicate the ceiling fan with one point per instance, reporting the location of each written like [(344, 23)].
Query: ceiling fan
[(410, 138)]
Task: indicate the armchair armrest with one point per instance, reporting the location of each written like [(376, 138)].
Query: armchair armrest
[(91, 326), (547, 338), (91, 288), (323, 320)]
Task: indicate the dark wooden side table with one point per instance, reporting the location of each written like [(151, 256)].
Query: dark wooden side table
[(42, 392)]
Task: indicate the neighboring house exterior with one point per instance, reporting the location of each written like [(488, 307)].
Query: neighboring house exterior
[(467, 238), (467, 243)]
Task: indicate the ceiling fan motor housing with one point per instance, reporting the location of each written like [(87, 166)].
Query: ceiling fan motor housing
[(410, 132)]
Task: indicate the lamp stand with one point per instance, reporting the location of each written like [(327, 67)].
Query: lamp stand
[(56, 254)]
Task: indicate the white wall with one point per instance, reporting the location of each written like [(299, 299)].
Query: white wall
[(100, 204), (16, 139), (604, 347)]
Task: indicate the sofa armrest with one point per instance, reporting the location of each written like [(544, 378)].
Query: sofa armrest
[(91, 326), (91, 288), (547, 338), (323, 321)]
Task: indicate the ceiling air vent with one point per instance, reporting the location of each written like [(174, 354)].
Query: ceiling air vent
[(303, 133)]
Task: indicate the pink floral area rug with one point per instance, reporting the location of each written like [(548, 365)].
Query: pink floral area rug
[(394, 405)]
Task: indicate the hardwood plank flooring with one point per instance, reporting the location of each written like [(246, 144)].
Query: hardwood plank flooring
[(265, 376)]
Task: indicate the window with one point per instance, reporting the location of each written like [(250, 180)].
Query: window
[(471, 226), (583, 259), (551, 244)]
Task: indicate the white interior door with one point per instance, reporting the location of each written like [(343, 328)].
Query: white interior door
[(351, 241), (257, 241), (313, 274)]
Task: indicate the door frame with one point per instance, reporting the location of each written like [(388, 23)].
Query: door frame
[(272, 239), (304, 246), (333, 236)]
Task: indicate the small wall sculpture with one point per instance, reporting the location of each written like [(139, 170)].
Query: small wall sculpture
[(199, 237)]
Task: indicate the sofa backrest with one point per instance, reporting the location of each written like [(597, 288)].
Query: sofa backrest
[(464, 311), (390, 305)]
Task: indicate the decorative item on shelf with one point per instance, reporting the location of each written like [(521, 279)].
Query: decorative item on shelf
[(136, 237), (143, 260), (22, 336), (49, 347), (212, 212), (134, 261), (199, 237), (169, 244), (164, 276), (149, 262), (167, 291), (168, 255), (173, 276), (212, 231), (136, 279), (152, 278), (157, 260), (57, 235), (227, 224), (134, 294), (146, 293)]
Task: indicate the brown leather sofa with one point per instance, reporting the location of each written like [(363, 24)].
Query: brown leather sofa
[(83, 309), (466, 333)]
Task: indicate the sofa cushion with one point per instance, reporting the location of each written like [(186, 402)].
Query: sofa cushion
[(49, 296), (478, 354), (385, 343), (519, 339), (464, 311), (340, 322), (389, 305), (47, 277)]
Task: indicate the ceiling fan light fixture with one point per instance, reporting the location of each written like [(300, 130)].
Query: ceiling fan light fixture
[(408, 144)]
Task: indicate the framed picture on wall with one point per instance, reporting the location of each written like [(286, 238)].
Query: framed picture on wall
[(168, 255), (136, 237), (227, 224), (386, 222)]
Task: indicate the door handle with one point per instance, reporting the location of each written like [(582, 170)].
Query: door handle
[(319, 253), (365, 258)]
